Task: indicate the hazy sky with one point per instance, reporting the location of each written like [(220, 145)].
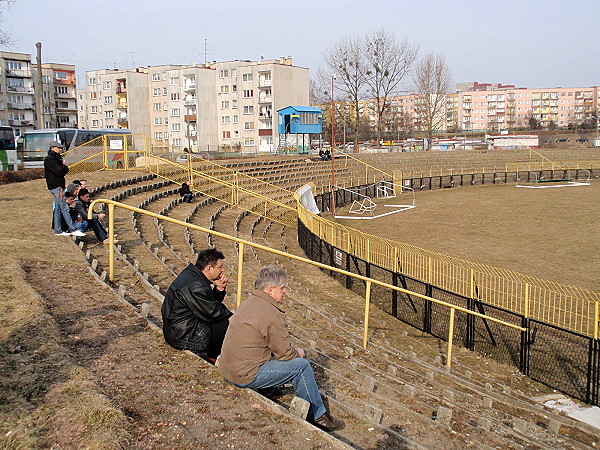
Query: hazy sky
[(530, 43)]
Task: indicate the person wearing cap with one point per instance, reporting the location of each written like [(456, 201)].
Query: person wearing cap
[(55, 170)]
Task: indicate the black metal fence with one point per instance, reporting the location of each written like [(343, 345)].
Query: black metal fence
[(561, 359)]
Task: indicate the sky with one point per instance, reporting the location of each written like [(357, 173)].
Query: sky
[(531, 43)]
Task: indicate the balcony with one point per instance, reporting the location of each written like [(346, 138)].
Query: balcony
[(20, 123), (18, 73), (263, 84), (265, 99), (122, 120), (121, 105), (67, 124), (12, 105), (190, 102), (265, 132), (19, 89), (192, 133), (64, 95), (190, 117), (190, 87), (66, 109), (64, 81), (121, 90)]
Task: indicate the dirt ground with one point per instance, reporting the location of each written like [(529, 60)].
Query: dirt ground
[(547, 233)]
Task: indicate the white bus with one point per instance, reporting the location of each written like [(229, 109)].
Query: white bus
[(36, 142)]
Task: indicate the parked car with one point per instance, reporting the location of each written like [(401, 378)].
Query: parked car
[(563, 140), (582, 139)]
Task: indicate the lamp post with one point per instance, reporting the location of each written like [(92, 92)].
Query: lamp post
[(333, 77)]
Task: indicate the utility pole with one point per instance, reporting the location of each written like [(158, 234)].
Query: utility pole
[(333, 77), (39, 93)]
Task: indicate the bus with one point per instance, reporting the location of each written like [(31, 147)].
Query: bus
[(8, 149), (36, 142)]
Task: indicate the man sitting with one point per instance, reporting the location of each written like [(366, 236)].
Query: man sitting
[(82, 205), (79, 221), (258, 352), (194, 317)]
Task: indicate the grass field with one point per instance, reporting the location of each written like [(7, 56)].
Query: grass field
[(547, 233)]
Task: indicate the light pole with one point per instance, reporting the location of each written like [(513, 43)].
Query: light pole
[(333, 77)]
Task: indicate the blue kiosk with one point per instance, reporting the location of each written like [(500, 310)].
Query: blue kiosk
[(296, 124)]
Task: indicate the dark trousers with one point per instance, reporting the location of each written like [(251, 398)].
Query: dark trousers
[(99, 230), (217, 334)]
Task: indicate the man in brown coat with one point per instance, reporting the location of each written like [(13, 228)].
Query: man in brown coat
[(258, 352)]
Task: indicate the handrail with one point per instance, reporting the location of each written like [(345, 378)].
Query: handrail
[(242, 243)]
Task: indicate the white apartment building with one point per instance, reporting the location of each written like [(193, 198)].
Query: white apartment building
[(225, 106)]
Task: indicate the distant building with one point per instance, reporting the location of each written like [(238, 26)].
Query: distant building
[(226, 106), (59, 96)]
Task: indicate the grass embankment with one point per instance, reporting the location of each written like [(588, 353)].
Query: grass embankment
[(45, 398)]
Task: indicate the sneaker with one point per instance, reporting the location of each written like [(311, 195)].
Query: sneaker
[(77, 233), (64, 233), (328, 423)]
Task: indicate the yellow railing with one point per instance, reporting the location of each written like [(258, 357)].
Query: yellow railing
[(566, 306), (569, 307), (241, 246)]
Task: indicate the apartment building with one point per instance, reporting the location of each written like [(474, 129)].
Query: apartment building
[(18, 88), (226, 106), (17, 105)]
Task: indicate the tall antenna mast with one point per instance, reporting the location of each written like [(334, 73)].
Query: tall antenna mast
[(205, 51)]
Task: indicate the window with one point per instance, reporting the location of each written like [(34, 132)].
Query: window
[(165, 106), (91, 81), (176, 142), (249, 109), (247, 77), (224, 120), (225, 89), (247, 93), (156, 106), (157, 121), (233, 73), (226, 134), (60, 75), (95, 123), (248, 142), (158, 135), (164, 91), (94, 109), (225, 104), (234, 88), (108, 114), (13, 65), (156, 91), (108, 100), (174, 81), (248, 125), (223, 73), (60, 89), (236, 134), (156, 77), (235, 119), (175, 127), (234, 104), (175, 112), (174, 96), (108, 85), (48, 109)]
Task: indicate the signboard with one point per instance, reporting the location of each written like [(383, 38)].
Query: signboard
[(116, 144), (337, 257)]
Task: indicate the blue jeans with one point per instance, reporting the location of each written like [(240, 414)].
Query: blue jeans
[(297, 371), (61, 211), (99, 230), (187, 197), (80, 226)]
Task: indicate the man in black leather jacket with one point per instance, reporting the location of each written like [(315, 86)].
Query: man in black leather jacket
[(194, 317)]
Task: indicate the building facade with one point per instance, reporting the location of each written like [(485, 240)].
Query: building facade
[(20, 93), (219, 106)]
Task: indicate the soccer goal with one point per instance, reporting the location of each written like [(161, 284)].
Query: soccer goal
[(364, 207)]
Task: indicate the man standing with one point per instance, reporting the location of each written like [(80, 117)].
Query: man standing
[(194, 317), (258, 352), (55, 170)]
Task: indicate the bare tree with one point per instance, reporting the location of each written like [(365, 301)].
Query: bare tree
[(388, 64), (432, 82), (346, 59)]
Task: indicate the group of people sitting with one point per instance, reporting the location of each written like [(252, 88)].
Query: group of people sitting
[(71, 203), (251, 346), (325, 155)]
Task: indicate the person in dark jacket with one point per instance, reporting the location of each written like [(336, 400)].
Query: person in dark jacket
[(194, 317), (55, 170), (82, 206), (185, 192)]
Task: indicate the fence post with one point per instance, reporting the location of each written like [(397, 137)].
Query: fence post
[(239, 275), (525, 342), (111, 241), (367, 305), (450, 337), (104, 152)]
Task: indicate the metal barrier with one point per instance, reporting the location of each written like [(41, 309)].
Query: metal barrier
[(369, 282)]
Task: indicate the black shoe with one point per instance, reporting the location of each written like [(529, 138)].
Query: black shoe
[(328, 423)]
